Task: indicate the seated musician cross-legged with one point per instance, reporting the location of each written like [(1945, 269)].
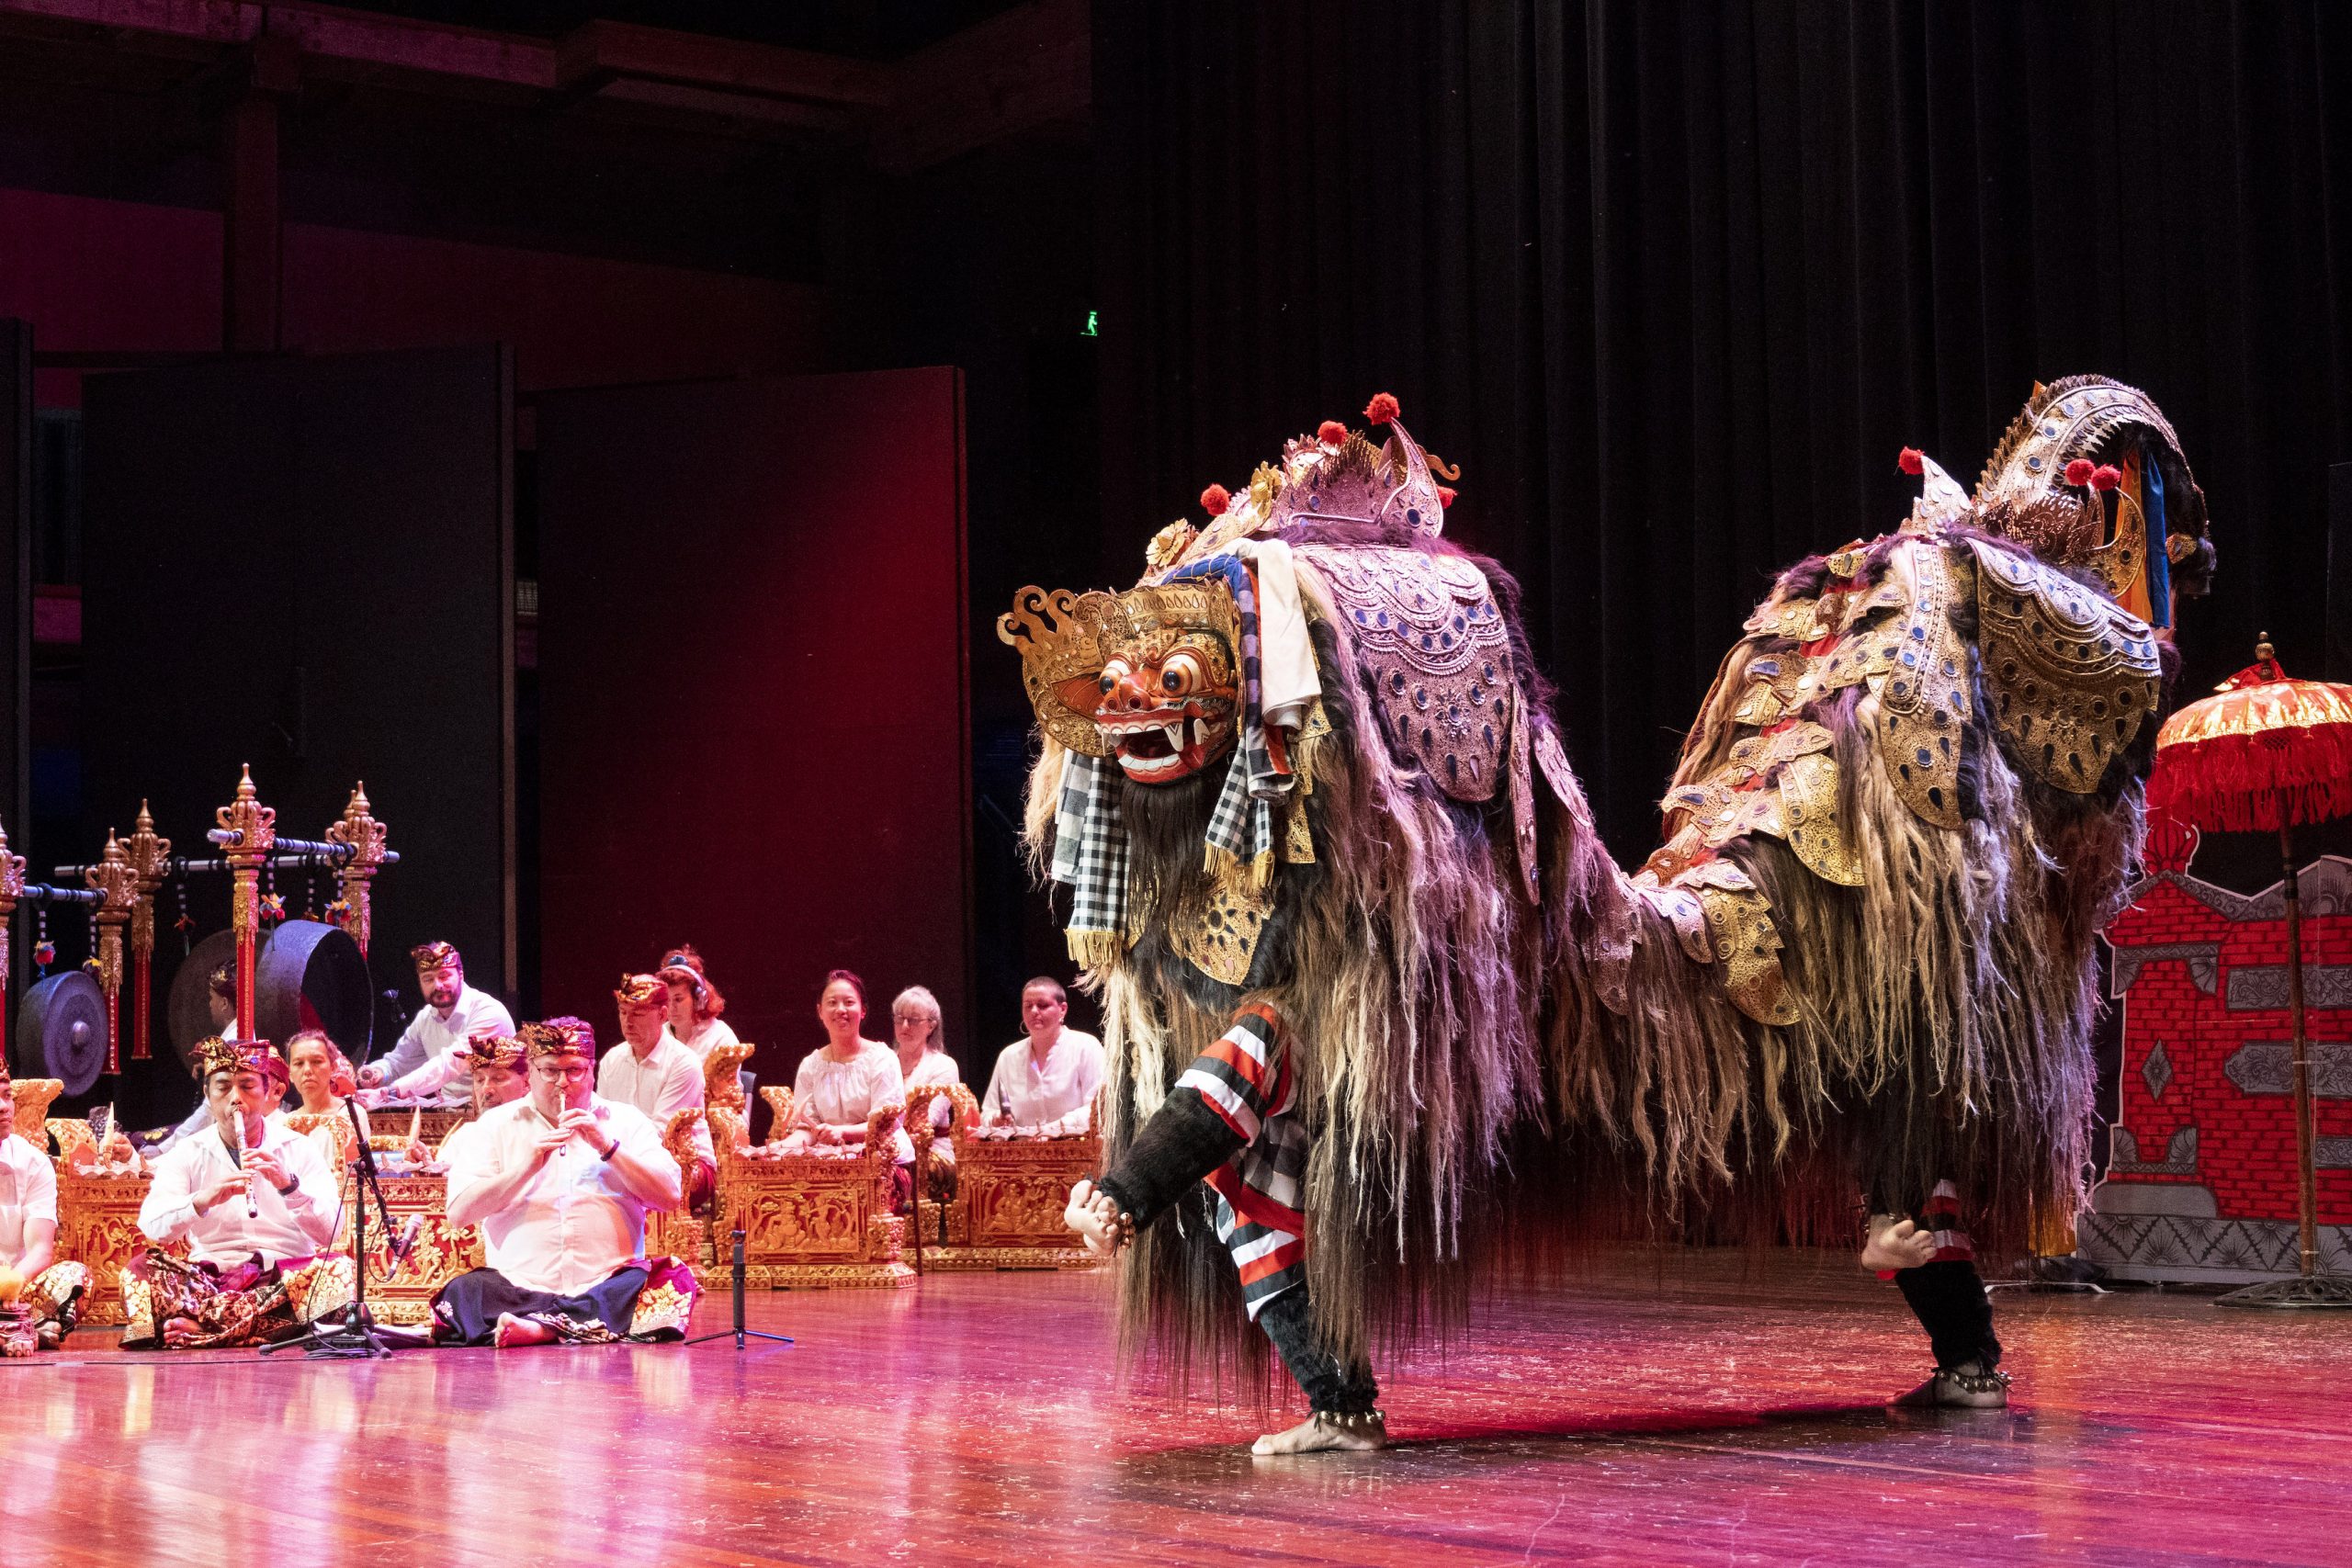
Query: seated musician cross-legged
[(560, 1182), (256, 1206), (38, 1294)]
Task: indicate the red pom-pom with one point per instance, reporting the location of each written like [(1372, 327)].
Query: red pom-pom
[(2078, 472), (1914, 461), (2106, 476), (1214, 500), (1444, 496), (1382, 409), (1331, 433)]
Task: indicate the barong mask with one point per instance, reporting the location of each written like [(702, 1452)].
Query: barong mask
[(1168, 688), (1148, 676)]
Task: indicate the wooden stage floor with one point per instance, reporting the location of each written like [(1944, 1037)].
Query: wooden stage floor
[(1701, 1409)]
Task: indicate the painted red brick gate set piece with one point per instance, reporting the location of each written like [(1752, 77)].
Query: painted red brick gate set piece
[(2200, 1185)]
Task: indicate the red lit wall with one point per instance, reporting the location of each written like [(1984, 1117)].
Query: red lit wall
[(121, 277)]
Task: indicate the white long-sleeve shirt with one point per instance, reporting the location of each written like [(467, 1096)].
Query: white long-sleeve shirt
[(28, 1192), (1056, 1098), (667, 1081), (300, 1223), (422, 1065), (574, 1224)]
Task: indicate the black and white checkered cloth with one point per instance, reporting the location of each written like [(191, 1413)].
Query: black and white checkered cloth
[(1090, 849)]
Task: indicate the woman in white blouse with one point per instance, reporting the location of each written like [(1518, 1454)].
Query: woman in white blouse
[(844, 1082), (924, 1060), (695, 1002)]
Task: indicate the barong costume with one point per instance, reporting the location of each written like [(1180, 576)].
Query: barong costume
[(1384, 991)]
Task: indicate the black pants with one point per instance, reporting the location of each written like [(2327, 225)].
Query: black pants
[(1183, 1142), (1949, 1300), (471, 1304)]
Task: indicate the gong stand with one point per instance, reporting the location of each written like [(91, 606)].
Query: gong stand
[(246, 831), (117, 886), (148, 856), (44, 894)]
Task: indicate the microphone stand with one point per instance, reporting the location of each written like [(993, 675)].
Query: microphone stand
[(355, 1338), (739, 1331)]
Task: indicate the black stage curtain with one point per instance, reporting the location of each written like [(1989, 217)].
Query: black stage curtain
[(1674, 283)]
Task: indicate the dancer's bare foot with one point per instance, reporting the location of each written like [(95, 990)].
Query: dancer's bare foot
[(1326, 1432), (514, 1332), (1895, 1244), (1095, 1216), (179, 1332)]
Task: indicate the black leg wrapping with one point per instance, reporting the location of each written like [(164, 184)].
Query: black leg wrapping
[(1329, 1387), (1183, 1142), (1949, 1299)]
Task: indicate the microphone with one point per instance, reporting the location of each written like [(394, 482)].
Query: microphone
[(407, 1241)]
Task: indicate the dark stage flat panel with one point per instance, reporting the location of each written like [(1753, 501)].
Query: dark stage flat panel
[(15, 577), (753, 695), (306, 565)]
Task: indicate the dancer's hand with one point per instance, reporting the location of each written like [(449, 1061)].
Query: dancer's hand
[(1895, 1244), (1096, 1218)]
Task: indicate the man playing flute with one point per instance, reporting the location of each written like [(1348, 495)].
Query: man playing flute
[(256, 1207), (560, 1182)]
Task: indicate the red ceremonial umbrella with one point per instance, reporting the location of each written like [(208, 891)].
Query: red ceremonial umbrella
[(2268, 754)]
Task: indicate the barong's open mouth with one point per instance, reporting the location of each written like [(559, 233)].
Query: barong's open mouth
[(1162, 744)]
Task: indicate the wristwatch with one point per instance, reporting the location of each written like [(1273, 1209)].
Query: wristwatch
[(610, 1150)]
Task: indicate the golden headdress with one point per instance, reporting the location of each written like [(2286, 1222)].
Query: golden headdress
[(214, 1054), (487, 1047), (557, 1037), (642, 991)]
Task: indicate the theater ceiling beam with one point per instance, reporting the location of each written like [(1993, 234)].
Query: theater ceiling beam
[(1029, 66), (1025, 67)]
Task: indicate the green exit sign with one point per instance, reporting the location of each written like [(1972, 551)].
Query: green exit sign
[(1094, 327)]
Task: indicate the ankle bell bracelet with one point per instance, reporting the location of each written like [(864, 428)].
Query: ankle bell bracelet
[(1352, 1420)]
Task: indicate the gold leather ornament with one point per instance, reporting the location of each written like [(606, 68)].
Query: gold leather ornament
[(2071, 676)]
